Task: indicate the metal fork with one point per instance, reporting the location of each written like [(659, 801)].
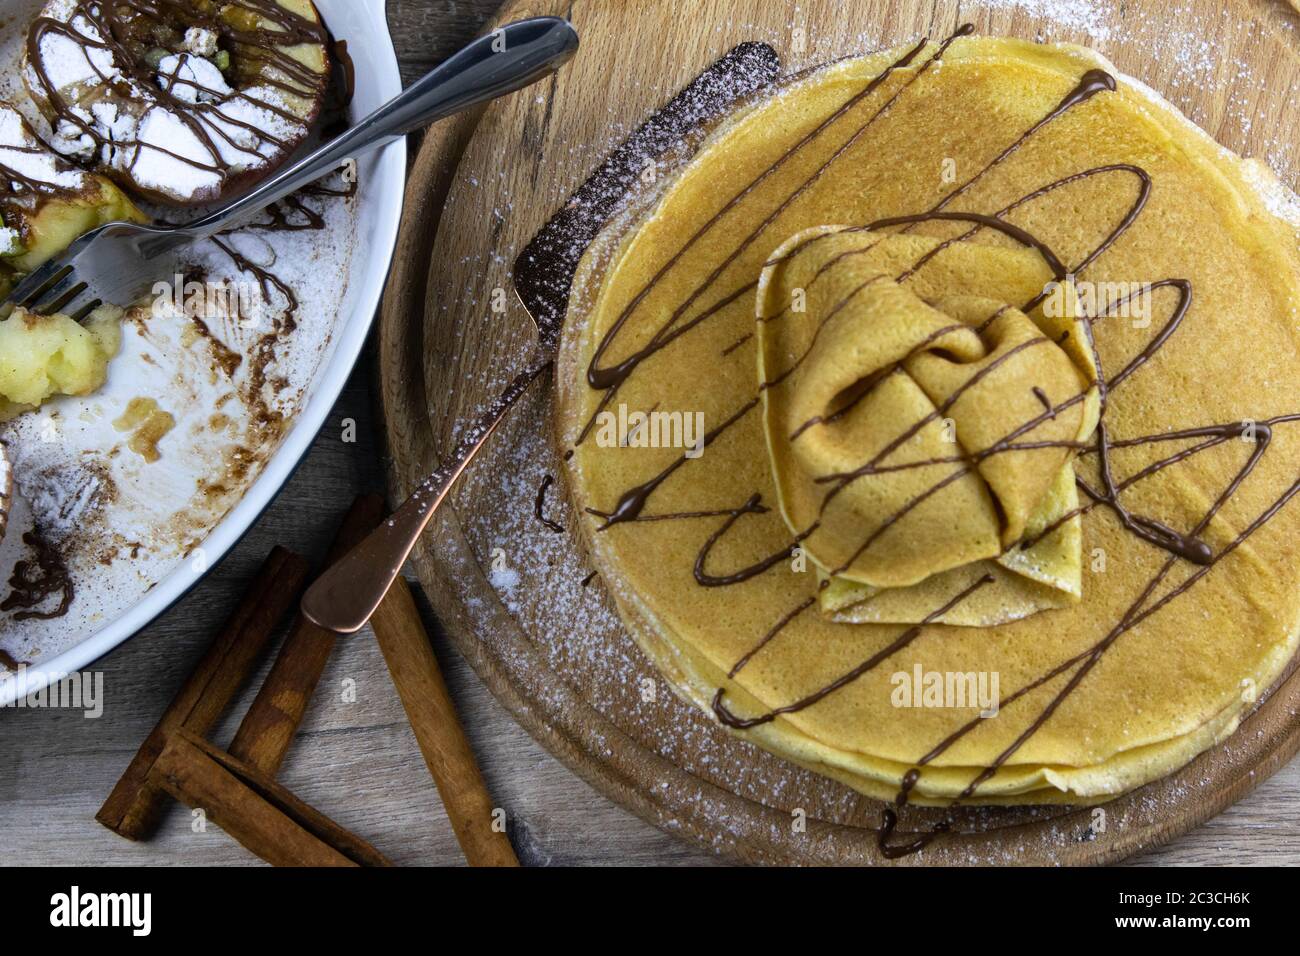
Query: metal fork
[(119, 263)]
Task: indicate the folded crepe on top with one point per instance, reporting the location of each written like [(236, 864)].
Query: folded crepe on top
[(885, 405)]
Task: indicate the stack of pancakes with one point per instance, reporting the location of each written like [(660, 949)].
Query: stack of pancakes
[(1120, 565)]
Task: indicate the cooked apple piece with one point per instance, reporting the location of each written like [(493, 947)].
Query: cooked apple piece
[(46, 355), (45, 202)]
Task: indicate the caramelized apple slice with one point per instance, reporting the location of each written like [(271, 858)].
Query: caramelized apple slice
[(45, 202)]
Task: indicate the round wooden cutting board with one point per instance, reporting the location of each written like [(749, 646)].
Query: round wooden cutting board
[(510, 590)]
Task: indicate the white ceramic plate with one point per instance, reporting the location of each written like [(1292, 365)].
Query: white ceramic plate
[(363, 24)]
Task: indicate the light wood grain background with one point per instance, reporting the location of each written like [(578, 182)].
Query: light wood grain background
[(358, 762)]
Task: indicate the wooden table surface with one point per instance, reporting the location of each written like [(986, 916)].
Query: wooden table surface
[(358, 761)]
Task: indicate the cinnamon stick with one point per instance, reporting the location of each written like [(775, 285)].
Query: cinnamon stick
[(411, 661), (251, 807), (268, 729), (135, 805)]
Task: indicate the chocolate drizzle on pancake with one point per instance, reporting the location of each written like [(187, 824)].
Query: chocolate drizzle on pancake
[(608, 379), (1179, 548), (544, 273)]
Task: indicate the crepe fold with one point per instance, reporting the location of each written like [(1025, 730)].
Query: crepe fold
[(922, 435)]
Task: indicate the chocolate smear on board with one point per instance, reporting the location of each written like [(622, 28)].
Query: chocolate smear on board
[(544, 271)]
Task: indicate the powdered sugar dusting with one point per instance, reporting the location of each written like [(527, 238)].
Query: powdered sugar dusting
[(17, 154), (1190, 46)]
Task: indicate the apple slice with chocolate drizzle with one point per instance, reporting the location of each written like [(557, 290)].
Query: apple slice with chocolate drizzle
[(182, 103), (46, 203)]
